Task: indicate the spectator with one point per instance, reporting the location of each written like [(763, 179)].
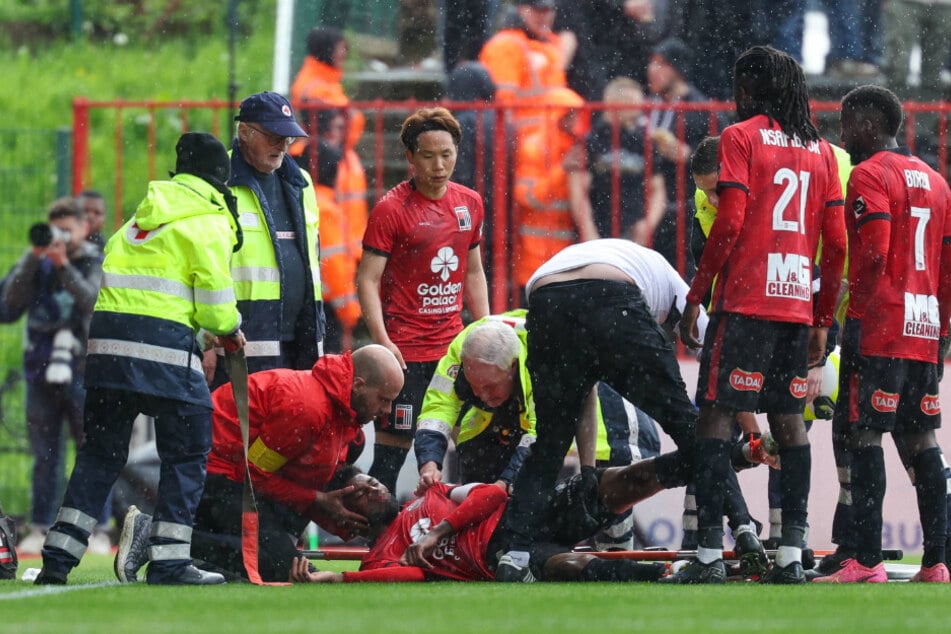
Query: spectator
[(165, 279), (277, 275), (896, 330), (551, 205), (470, 518), (668, 80), (525, 61), (337, 264), (301, 423), (922, 22), (421, 258), (774, 142), (640, 203), (55, 282), (467, 25), (604, 40), (852, 24), (94, 205)]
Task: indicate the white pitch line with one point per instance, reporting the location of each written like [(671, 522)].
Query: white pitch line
[(43, 591)]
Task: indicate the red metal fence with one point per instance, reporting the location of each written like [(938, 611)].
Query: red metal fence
[(120, 145)]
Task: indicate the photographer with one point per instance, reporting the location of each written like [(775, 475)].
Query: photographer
[(55, 282)]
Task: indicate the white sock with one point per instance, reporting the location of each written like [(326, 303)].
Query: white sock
[(519, 557), (785, 555), (709, 555)]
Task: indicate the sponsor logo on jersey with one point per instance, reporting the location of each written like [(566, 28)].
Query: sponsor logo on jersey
[(463, 218), (135, 235), (886, 402), (789, 275), (744, 381), (441, 297), (404, 417), (930, 404), (798, 387), (922, 318), (420, 529)]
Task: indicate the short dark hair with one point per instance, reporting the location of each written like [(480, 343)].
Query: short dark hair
[(342, 476), (90, 193), (321, 42), (65, 207), (427, 120), (879, 99), (705, 159)]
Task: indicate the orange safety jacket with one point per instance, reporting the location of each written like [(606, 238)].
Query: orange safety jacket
[(338, 267), (541, 201), (524, 70), (320, 83)]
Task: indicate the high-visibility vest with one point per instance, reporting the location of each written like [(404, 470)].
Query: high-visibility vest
[(256, 270), (165, 276)]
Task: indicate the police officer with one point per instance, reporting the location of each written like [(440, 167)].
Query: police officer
[(166, 291)]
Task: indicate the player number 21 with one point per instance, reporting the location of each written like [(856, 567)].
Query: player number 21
[(791, 182)]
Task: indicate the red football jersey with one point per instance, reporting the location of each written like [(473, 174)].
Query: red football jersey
[(462, 557), (763, 253), (426, 243), (897, 215)]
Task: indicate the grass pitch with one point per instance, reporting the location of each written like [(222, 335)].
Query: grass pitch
[(93, 602)]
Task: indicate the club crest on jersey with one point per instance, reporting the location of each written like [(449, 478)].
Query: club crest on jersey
[(798, 387), (463, 218), (930, 405), (404, 417), (135, 235), (858, 206), (885, 402), (744, 381)]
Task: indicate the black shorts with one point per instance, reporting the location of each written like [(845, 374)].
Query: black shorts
[(892, 395), (401, 421), (753, 365)]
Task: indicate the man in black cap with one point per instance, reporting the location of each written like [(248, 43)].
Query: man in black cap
[(166, 292), (276, 274)]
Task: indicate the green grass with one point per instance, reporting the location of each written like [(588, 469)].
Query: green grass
[(459, 608)]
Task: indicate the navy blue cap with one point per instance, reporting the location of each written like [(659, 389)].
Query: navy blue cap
[(272, 111)]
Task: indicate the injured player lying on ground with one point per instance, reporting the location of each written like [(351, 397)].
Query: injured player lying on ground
[(452, 532)]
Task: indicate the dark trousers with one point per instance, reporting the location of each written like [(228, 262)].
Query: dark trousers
[(579, 333), (217, 535), (183, 440)]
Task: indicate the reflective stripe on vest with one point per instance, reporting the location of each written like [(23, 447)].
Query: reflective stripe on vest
[(168, 287), (145, 352)]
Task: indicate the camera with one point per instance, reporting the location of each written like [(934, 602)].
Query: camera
[(42, 234)]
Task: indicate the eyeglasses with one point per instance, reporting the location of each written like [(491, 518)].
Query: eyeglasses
[(272, 139)]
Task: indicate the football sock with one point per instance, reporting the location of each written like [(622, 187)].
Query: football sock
[(387, 462), (931, 488), (868, 492)]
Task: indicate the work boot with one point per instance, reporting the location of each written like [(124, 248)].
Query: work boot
[(50, 578), (133, 550), (698, 573)]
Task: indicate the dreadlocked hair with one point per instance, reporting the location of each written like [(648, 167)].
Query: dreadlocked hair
[(777, 86)]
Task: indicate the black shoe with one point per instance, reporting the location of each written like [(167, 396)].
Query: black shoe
[(789, 575), (49, 578), (829, 564), (808, 559), (189, 576), (696, 573), (749, 550), (507, 571)]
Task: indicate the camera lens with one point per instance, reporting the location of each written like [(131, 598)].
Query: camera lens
[(41, 235)]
